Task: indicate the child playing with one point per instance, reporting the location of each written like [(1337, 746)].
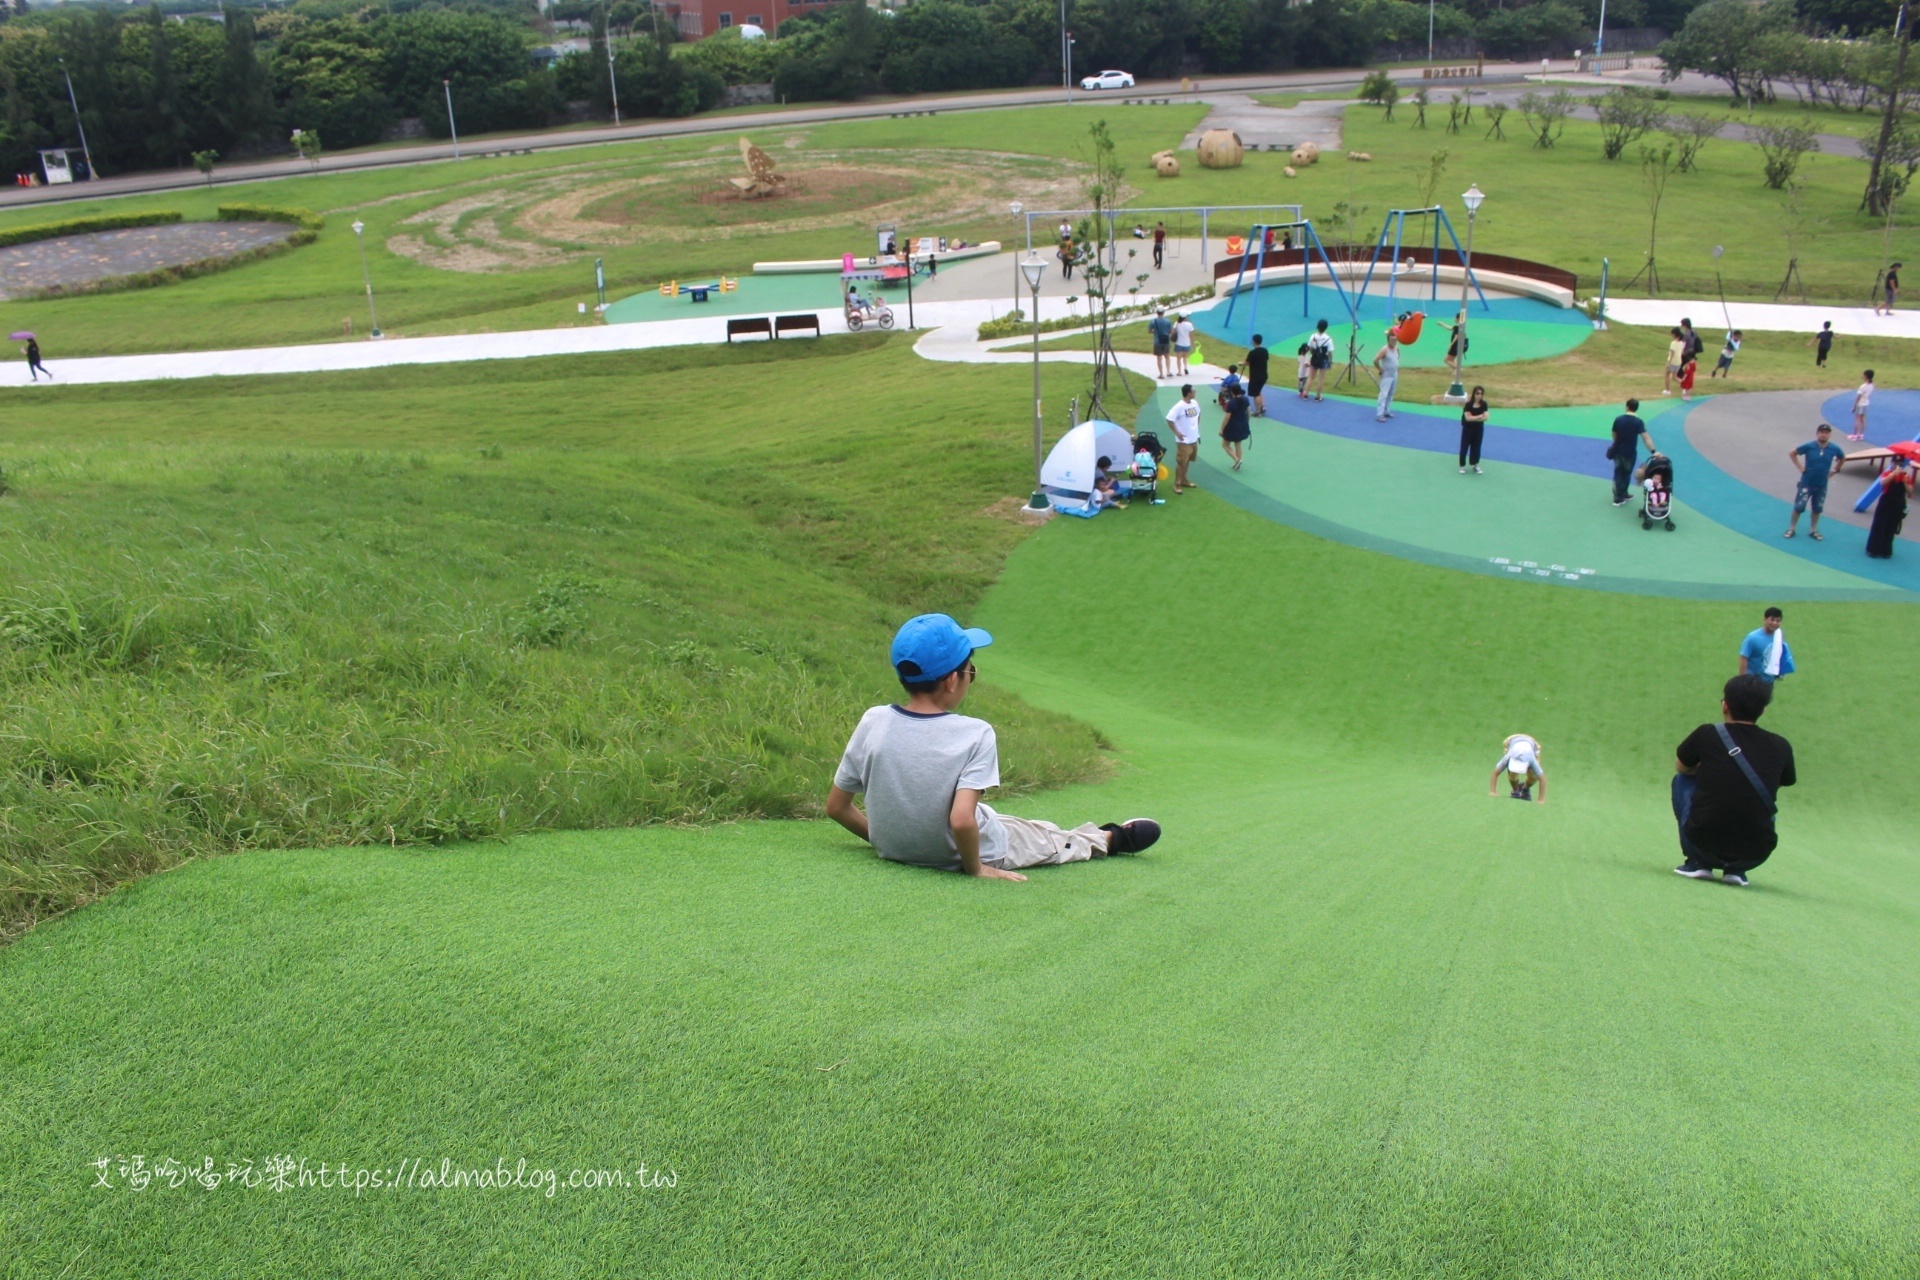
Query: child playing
[(1105, 492), (1687, 371), (1306, 368), (1521, 764), (1727, 353), (923, 770), (1861, 399)]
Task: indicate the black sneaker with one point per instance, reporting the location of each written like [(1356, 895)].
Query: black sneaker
[(1134, 836), (1734, 877), (1694, 871)]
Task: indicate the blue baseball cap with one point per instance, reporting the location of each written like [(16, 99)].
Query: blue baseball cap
[(936, 645)]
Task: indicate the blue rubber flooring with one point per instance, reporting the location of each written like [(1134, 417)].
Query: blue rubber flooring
[(1893, 415)]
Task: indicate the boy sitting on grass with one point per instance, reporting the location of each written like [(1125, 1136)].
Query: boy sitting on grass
[(923, 770)]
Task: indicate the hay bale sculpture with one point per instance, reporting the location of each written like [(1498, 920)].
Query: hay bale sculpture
[(1221, 149), (1306, 153), (1166, 164), (765, 181)]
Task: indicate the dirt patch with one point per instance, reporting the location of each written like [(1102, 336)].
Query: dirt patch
[(562, 216), (78, 264)]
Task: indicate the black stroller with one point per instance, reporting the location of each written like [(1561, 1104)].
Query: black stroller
[(1656, 492), (1146, 483)]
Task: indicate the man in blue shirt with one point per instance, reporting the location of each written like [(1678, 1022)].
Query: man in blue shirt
[(1816, 460), (1162, 330), (1629, 432), (1764, 653)]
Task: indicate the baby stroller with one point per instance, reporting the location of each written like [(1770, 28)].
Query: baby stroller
[(1656, 492), (1146, 479)]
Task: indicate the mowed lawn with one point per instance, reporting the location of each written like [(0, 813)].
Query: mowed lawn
[(1351, 1018)]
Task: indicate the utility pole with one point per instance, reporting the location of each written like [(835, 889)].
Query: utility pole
[(613, 84), (91, 174), (451, 127), (1066, 58), (1876, 201)]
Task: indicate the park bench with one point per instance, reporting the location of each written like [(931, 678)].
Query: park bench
[(749, 324), (794, 324)]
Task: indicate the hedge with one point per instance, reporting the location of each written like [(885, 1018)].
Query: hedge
[(1015, 323), (306, 218), (80, 226)]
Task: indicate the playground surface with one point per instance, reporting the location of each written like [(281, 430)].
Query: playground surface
[(1543, 512)]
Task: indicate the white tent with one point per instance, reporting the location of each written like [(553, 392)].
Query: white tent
[(1067, 477)]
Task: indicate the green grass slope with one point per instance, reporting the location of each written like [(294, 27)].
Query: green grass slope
[(1351, 1018), (423, 604)]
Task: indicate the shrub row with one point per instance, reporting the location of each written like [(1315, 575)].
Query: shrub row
[(306, 218), (80, 226), (1015, 323)]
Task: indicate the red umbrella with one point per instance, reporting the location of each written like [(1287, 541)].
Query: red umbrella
[(22, 336), (1908, 449)]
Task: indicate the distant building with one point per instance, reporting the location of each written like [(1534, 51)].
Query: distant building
[(697, 19)]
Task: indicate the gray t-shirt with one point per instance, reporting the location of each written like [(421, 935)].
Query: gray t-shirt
[(1389, 359), (908, 765)]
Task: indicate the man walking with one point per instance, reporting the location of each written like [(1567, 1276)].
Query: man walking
[(1727, 778), (1162, 330), (1184, 419), (1816, 460), (1387, 365), (1629, 433), (1764, 653), (1257, 359), (1159, 245)]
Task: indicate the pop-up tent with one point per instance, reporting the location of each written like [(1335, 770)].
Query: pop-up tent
[(1067, 477)]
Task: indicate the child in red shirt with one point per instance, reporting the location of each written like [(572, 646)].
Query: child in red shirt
[(1687, 371)]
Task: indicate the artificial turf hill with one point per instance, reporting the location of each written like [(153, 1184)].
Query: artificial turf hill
[(1351, 1017)]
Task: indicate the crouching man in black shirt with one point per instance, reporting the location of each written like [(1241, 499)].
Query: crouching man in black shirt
[(1725, 780)]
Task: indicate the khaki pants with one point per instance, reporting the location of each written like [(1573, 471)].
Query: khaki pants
[(1032, 843), (1182, 455)]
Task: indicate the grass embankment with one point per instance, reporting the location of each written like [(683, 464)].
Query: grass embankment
[(448, 602), (1352, 1017)]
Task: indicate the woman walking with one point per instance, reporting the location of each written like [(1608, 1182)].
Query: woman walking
[(1234, 428), (1890, 513), (1473, 429), (34, 367)]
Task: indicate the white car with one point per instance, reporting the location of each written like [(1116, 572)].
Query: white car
[(1108, 80)]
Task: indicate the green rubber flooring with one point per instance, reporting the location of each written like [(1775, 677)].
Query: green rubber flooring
[(757, 295)]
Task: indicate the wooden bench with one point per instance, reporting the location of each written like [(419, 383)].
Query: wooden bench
[(749, 324), (794, 324), (1878, 457)]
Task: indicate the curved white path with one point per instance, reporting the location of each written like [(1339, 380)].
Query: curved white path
[(950, 326)]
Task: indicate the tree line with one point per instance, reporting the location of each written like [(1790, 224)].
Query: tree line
[(153, 91)]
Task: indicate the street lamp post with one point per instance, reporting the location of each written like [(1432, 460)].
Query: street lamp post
[(1035, 271), (613, 81), (1457, 393), (359, 234), (451, 127)]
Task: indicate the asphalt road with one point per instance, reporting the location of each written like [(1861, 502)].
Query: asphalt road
[(518, 144)]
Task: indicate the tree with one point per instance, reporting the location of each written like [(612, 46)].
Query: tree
[(1105, 192), (1656, 168), (1420, 99), (245, 97), (1727, 39), (1876, 199), (203, 161), (1627, 114), (1784, 146), (166, 131), (1496, 112), (1690, 132), (1430, 181), (1546, 115)]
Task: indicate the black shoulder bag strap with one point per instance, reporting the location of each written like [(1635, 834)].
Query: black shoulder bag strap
[(1739, 758)]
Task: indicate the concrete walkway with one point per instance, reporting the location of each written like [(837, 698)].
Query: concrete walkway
[(1763, 317), (1263, 128), (952, 325)]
